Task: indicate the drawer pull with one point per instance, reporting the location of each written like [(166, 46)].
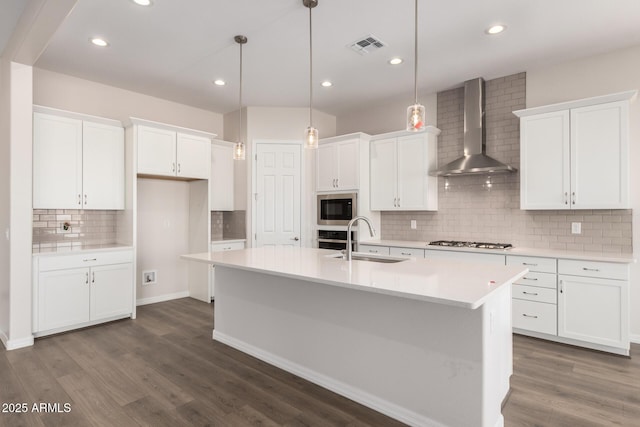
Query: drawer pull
[(530, 293), (373, 251), (405, 253), (89, 259), (590, 269), (530, 278), (529, 263), (528, 315)]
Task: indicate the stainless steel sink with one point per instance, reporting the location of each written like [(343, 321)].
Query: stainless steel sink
[(361, 256)]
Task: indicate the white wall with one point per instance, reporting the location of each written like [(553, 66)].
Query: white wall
[(286, 124), (5, 284), (599, 75), (163, 235), (83, 96), (388, 116)]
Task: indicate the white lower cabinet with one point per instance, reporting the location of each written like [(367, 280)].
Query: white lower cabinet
[(72, 291), (404, 252), (219, 247), (465, 256), (594, 306), (534, 304)]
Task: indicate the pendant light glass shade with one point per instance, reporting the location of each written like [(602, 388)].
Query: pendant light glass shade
[(239, 151), (415, 113), (311, 137), (311, 134), (415, 117)]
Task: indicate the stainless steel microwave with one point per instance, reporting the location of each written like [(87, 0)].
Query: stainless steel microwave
[(336, 209)]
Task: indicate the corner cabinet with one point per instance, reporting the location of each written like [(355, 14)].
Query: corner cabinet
[(169, 151), (71, 291), (78, 161), (222, 177), (400, 164), (575, 155), (338, 163)]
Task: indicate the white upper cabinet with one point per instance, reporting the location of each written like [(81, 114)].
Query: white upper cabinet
[(169, 151), (77, 163), (221, 185), (399, 175), (575, 155), (337, 165)]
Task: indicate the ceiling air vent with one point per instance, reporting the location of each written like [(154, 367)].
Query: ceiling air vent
[(367, 44)]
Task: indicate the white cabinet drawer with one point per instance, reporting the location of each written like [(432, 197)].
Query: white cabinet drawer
[(594, 269), (84, 259), (218, 247), (412, 252), (373, 249), (534, 293), (533, 278), (482, 257), (535, 316), (544, 265)]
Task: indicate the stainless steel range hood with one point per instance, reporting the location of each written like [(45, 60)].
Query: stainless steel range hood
[(474, 160)]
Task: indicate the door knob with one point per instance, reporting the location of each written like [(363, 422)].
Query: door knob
[(295, 238)]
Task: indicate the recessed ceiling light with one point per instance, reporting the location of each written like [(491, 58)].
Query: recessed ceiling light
[(496, 29), (326, 83), (396, 61), (219, 82), (142, 2), (98, 41)]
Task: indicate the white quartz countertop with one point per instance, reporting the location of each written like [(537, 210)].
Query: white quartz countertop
[(80, 249), (460, 284), (544, 253), (228, 241)]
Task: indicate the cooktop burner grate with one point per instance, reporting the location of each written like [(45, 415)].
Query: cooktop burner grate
[(479, 245)]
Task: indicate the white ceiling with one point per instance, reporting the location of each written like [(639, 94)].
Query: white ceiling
[(175, 48)]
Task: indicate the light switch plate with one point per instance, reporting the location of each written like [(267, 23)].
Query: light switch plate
[(414, 224), (576, 228)]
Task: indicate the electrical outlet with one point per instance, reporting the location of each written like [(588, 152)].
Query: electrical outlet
[(576, 228), (414, 224), (149, 277)]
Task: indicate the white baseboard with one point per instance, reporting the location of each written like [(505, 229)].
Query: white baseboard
[(634, 338), (162, 298), (394, 411), (15, 344)]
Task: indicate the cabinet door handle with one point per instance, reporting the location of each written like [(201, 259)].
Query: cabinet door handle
[(528, 315), (398, 201), (173, 167), (337, 182), (373, 251), (530, 278), (93, 277), (395, 204), (85, 199), (566, 198), (530, 264), (590, 269), (530, 293), (89, 259), (86, 280), (573, 198), (405, 253), (178, 167), (561, 287)]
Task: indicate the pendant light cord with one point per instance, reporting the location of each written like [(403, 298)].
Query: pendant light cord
[(310, 70), (415, 47), (240, 97)]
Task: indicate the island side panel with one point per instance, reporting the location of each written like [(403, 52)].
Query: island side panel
[(420, 362)]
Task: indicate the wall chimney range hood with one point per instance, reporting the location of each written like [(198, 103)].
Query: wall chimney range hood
[(475, 160)]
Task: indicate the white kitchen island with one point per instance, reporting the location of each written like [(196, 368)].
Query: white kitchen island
[(427, 342)]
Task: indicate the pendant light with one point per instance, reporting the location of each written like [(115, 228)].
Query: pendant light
[(239, 148), (415, 112), (311, 134)]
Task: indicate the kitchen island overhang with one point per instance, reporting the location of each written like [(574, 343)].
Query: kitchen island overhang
[(426, 342)]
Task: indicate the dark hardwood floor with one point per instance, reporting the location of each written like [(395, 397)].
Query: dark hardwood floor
[(163, 369)]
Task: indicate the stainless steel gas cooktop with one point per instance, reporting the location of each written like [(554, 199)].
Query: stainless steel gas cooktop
[(479, 245)]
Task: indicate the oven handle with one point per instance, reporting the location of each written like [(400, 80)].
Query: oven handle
[(332, 241)]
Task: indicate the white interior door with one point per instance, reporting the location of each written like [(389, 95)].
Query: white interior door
[(278, 195)]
